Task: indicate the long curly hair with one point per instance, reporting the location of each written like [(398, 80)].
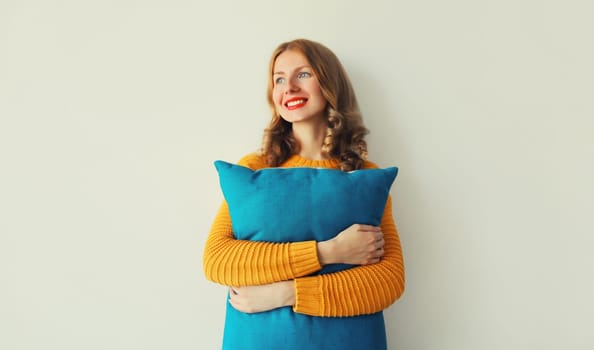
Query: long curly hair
[(345, 136)]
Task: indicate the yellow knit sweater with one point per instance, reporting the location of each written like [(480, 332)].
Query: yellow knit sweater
[(356, 291)]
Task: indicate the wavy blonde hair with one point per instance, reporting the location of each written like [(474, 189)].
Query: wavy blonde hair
[(345, 136)]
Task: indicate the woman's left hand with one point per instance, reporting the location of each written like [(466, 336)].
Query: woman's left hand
[(252, 299)]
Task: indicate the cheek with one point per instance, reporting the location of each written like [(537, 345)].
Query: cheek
[(316, 89), (277, 97)]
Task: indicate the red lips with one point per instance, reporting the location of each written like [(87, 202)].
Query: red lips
[(295, 102)]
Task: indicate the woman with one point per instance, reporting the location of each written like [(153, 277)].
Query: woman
[(315, 123)]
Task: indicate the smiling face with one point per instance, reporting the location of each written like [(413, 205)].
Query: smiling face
[(296, 91)]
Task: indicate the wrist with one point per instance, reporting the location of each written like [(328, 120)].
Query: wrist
[(326, 252), (289, 293)]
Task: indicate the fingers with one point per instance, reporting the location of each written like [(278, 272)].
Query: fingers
[(374, 230), (237, 305), (378, 253), (236, 300), (376, 243), (359, 244), (372, 260), (372, 256), (368, 228), (379, 244), (374, 239)]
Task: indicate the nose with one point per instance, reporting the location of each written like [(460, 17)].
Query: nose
[(291, 86)]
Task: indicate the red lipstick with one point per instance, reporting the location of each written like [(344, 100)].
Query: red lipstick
[(295, 102)]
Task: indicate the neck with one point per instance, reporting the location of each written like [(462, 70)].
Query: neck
[(310, 136)]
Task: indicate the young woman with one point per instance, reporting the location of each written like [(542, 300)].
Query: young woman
[(315, 123)]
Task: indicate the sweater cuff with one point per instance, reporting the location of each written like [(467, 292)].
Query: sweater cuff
[(304, 258), (308, 298)]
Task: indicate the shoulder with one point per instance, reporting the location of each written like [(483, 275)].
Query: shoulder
[(253, 161)]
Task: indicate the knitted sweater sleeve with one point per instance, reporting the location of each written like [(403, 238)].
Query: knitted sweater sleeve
[(360, 290), (232, 262)]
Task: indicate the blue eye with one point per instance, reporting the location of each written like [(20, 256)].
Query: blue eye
[(303, 75), (279, 80)]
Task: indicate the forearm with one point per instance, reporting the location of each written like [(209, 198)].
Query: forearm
[(233, 262), (340, 294), (326, 253), (360, 290)]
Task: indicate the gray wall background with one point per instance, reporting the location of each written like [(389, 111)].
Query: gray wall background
[(112, 113)]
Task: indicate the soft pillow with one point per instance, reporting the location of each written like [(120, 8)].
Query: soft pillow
[(300, 204)]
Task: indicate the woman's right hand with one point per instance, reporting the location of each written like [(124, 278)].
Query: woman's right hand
[(357, 245)]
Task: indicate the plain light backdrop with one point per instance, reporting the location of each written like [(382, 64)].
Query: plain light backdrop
[(112, 113)]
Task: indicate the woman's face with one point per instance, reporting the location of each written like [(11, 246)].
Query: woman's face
[(296, 92)]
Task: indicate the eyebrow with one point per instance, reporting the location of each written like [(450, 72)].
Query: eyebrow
[(298, 68)]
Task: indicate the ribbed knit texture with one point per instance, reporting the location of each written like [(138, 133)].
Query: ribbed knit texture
[(356, 291)]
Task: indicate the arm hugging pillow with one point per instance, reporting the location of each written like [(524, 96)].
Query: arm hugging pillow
[(300, 204)]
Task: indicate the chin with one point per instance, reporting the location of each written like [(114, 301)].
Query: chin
[(296, 119)]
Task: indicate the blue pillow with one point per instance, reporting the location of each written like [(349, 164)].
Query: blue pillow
[(300, 204)]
